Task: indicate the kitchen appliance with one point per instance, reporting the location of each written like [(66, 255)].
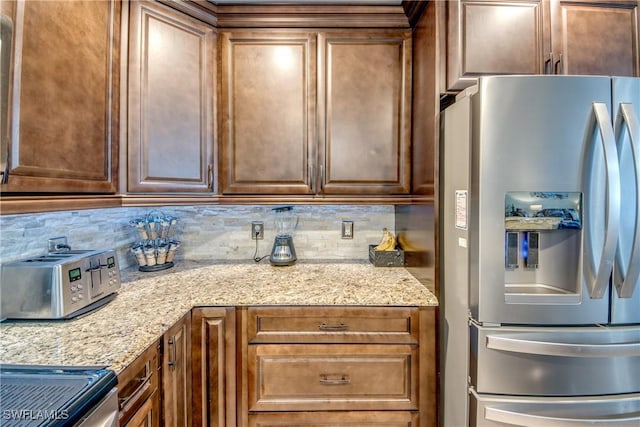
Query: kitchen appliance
[(283, 252), (56, 396), (59, 285), (540, 253)]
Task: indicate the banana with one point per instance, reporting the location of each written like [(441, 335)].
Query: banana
[(388, 242)]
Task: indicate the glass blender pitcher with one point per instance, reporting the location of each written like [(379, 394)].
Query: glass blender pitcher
[(283, 252)]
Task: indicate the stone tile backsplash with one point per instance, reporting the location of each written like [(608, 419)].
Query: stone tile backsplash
[(216, 232)]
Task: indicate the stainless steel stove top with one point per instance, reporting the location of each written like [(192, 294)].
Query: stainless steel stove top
[(51, 396)]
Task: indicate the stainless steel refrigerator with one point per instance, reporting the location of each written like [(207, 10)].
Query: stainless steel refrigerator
[(540, 250)]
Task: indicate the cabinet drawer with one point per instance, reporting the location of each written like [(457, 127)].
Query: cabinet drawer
[(336, 377), (336, 419), (137, 383), (397, 325)]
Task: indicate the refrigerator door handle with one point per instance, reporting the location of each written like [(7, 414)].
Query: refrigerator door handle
[(563, 349), (515, 418), (598, 277), (626, 285)]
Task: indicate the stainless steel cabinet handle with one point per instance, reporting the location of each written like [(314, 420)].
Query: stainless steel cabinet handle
[(144, 383), (530, 420), (625, 281), (312, 178), (340, 327), (341, 379), (598, 277), (6, 34), (547, 64), (174, 356), (562, 349), (557, 66)]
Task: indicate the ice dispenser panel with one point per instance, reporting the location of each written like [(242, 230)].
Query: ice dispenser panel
[(542, 246)]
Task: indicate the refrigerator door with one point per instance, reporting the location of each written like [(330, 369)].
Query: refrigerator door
[(625, 297), (549, 361), (541, 135), (609, 411)]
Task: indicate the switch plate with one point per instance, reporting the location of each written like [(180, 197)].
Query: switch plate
[(257, 230), (347, 229), (55, 244)]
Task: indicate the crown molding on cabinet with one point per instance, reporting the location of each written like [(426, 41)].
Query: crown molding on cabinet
[(302, 14)]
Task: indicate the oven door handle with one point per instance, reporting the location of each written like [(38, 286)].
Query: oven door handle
[(563, 349), (530, 420)]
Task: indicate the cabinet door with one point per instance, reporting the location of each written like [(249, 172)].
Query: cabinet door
[(365, 112), (176, 374), (213, 362), (148, 415), (268, 112), (64, 105), (596, 38), (488, 37), (336, 419), (171, 101)]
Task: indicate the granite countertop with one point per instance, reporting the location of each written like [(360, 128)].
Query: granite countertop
[(149, 303)]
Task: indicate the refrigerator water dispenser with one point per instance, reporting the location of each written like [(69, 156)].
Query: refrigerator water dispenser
[(542, 246)]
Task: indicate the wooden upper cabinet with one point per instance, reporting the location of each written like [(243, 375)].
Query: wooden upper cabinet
[(353, 86), (488, 37), (583, 37), (597, 38), (365, 112), (64, 104), (171, 126), (268, 112)]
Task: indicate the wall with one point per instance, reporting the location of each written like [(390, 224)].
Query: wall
[(206, 232)]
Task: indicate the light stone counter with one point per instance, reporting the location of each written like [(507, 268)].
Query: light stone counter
[(149, 303)]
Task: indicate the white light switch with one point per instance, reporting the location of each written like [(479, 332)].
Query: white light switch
[(347, 229)]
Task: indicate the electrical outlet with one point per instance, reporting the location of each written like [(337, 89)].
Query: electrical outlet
[(257, 230), (347, 229)]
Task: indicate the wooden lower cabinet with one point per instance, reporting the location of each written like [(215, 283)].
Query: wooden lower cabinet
[(176, 374), (138, 392), (285, 366), (335, 419), (213, 364), (336, 366), (148, 414)]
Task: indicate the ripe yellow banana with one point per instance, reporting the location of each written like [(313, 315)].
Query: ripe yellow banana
[(388, 242)]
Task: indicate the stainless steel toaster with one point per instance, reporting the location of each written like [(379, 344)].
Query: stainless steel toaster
[(58, 285)]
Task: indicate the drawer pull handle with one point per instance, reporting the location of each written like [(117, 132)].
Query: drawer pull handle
[(342, 380), (340, 327)]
